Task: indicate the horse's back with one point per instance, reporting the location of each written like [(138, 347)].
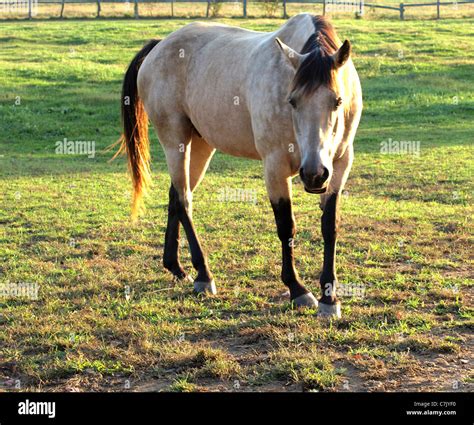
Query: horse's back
[(189, 40), (191, 50), (201, 33)]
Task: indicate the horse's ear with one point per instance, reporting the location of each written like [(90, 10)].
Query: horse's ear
[(293, 57), (343, 54)]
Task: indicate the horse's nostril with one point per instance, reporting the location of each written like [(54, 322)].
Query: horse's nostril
[(325, 174), (314, 180)]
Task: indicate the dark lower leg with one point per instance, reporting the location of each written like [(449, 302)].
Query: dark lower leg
[(286, 232), (171, 252), (329, 227), (197, 255)]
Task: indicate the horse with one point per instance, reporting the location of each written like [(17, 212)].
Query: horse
[(290, 98)]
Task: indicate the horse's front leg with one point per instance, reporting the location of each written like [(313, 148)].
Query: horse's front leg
[(329, 305), (279, 191)]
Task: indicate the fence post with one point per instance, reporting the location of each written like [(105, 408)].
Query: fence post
[(172, 8), (402, 11), (208, 7), (284, 9), (324, 7), (244, 3), (30, 11), (437, 9), (98, 9), (62, 9), (135, 9)]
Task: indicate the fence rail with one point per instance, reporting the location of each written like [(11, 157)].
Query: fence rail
[(328, 5)]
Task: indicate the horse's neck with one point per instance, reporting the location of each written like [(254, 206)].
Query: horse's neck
[(296, 31)]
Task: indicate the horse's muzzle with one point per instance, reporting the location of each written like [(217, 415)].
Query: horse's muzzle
[(315, 183)]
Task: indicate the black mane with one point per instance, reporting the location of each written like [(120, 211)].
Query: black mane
[(318, 67)]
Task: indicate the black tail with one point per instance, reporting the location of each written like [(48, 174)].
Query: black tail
[(134, 139)]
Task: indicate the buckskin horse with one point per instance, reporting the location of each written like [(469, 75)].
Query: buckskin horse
[(290, 98)]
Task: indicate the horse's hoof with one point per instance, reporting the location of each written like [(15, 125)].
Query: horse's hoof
[(330, 310), (205, 287), (305, 300)]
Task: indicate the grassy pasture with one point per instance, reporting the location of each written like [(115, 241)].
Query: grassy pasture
[(109, 317)]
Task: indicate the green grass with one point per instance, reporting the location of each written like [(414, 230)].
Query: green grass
[(108, 313)]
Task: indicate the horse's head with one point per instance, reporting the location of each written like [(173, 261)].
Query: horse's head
[(317, 102)]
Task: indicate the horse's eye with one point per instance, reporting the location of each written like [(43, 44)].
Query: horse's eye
[(338, 102), (292, 102)]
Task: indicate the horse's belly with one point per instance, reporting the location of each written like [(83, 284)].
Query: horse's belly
[(235, 148)]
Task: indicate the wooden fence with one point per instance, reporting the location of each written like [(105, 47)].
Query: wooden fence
[(328, 5), (401, 9)]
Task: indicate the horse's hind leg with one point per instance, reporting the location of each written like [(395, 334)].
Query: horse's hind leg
[(201, 154), (171, 251), (176, 141)]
